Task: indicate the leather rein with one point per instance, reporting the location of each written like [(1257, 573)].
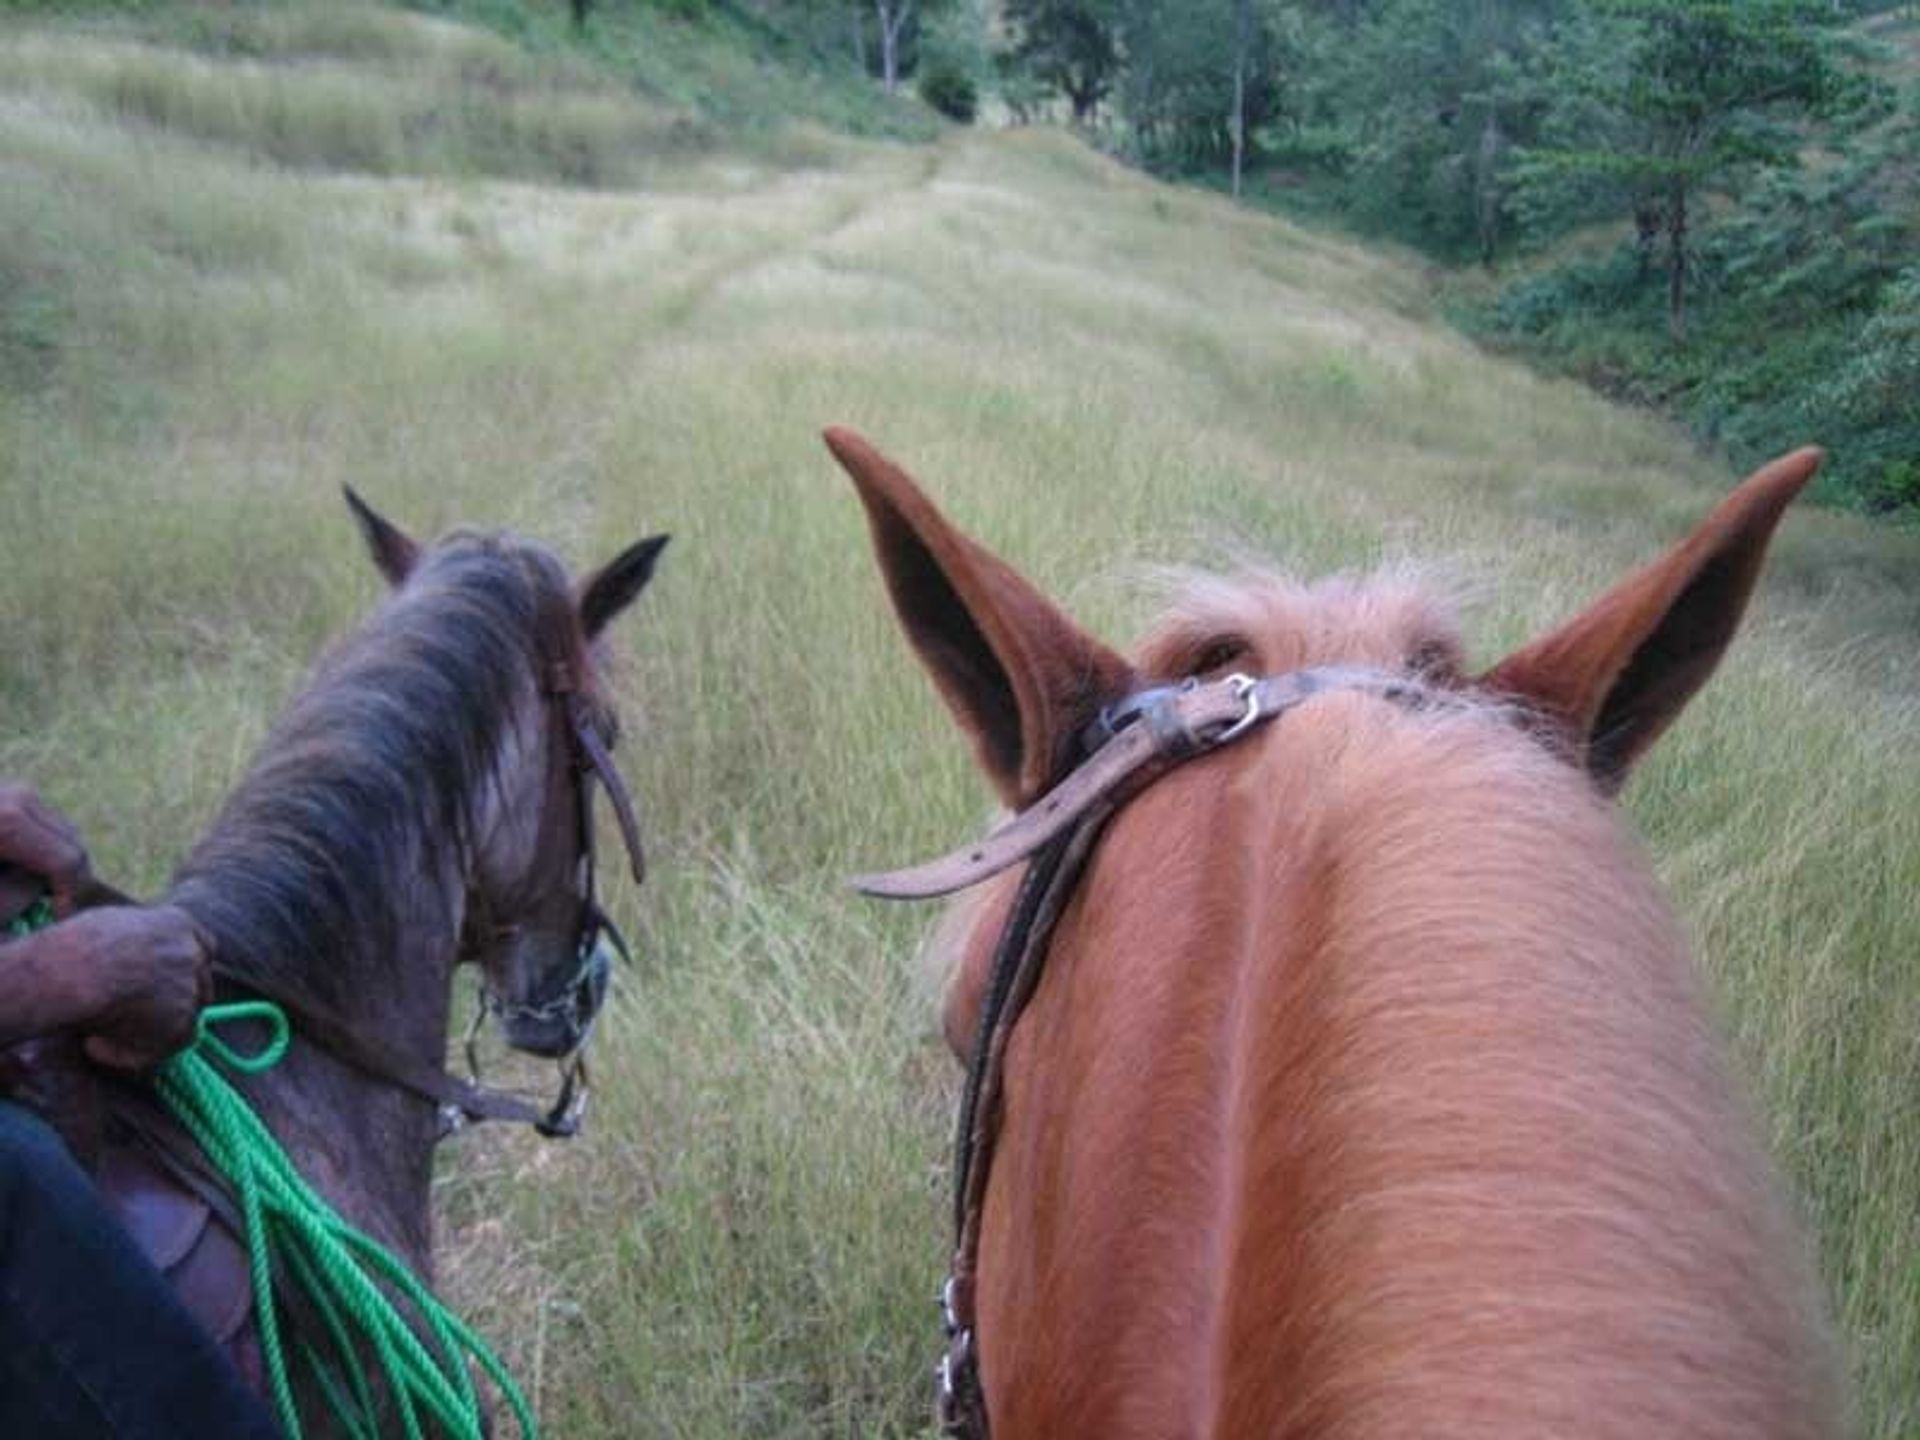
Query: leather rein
[(1133, 743)]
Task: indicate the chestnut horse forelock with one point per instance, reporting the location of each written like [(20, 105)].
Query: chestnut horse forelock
[(1368, 1090)]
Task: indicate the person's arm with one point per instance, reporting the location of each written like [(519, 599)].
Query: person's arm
[(130, 978)]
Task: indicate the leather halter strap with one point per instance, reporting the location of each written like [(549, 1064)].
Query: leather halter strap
[(1132, 743), (593, 759), (1147, 733), (457, 1100)]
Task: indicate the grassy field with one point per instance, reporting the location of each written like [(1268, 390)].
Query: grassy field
[(232, 277)]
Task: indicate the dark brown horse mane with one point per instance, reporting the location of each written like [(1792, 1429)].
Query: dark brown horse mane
[(366, 782)]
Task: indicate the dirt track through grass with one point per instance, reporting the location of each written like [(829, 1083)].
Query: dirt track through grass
[(1096, 374)]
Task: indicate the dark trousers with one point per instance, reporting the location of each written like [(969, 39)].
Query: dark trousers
[(93, 1344)]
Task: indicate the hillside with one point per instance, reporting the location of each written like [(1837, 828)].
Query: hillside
[(247, 257)]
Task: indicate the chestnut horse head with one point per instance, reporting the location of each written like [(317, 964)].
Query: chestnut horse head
[(1367, 1089)]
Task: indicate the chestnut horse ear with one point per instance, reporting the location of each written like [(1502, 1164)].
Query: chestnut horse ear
[(1613, 678), (393, 551), (1021, 678), (618, 583)]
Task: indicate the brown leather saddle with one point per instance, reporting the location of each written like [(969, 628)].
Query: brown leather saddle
[(139, 1157), (187, 1230)]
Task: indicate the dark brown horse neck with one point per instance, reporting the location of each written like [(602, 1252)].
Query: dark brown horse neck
[(336, 877), (339, 879), (361, 1140)]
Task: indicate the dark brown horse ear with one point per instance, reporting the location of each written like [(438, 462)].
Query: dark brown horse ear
[(618, 583), (1614, 677), (393, 551), (1022, 679)]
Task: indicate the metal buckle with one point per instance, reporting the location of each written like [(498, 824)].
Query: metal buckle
[(1246, 690), (945, 1401), (947, 1409)]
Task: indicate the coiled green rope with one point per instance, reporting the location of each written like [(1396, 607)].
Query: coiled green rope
[(340, 1270), (36, 916)]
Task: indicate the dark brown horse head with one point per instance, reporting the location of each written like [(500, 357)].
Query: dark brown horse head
[(532, 921), (424, 799), (1366, 1066)]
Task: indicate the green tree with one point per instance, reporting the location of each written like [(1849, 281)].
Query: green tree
[(1199, 79), (1242, 61), (1438, 97), (896, 29), (954, 60), (1876, 394), (1068, 46), (1684, 97), (894, 17)]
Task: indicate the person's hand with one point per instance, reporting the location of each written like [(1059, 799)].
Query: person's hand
[(39, 851), (149, 980)]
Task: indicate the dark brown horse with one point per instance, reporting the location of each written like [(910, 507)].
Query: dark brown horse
[(1366, 1089), (422, 803)]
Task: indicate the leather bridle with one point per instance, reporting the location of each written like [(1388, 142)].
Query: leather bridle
[(1130, 745), (577, 998)]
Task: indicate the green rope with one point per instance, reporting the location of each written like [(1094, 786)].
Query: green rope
[(36, 916), (346, 1276), (340, 1270)]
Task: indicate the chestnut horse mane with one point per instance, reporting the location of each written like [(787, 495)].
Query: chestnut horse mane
[(367, 780), (1260, 619)]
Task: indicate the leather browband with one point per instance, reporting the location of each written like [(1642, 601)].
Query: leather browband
[(1182, 721)]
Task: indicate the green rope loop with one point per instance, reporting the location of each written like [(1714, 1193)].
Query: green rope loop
[(36, 916), (206, 1041), (350, 1281)]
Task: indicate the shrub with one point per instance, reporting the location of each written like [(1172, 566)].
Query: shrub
[(951, 91)]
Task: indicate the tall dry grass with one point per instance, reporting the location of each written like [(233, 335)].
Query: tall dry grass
[(202, 337)]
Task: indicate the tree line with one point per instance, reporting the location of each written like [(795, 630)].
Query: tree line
[(941, 43), (1709, 206), (1756, 157)]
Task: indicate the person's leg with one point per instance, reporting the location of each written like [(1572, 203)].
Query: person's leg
[(92, 1341)]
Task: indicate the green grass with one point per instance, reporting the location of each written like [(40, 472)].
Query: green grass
[(1900, 33), (459, 104), (716, 58), (200, 338), (359, 88)]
